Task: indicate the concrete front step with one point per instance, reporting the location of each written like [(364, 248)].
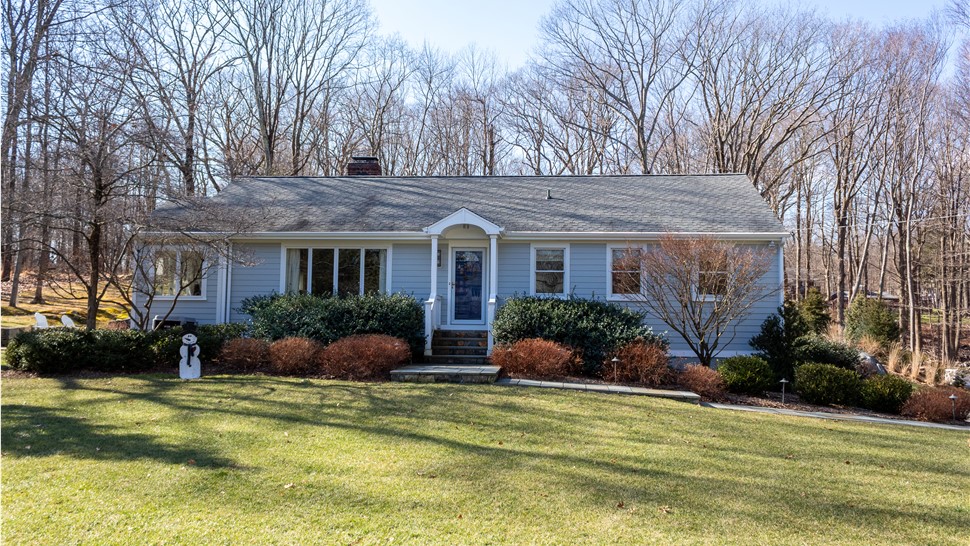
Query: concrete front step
[(461, 334), (446, 374), (458, 342), (449, 350), (470, 360)]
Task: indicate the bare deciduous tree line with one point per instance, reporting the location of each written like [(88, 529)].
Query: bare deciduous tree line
[(856, 136)]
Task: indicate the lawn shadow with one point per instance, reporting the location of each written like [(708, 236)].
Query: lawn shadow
[(37, 431)]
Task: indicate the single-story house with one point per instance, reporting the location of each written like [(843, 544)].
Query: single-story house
[(463, 245)]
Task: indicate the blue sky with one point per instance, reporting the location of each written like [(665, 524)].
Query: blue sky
[(510, 27)]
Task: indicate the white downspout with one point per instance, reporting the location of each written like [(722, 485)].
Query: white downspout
[(492, 286)]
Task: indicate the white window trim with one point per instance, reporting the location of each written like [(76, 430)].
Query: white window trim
[(610, 296), (204, 281), (311, 245), (566, 286)]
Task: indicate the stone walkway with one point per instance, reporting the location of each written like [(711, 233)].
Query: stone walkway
[(835, 416), (683, 396)]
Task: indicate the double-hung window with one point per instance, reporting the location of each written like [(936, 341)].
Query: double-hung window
[(343, 271), (625, 271), (712, 279), (179, 273), (550, 271)]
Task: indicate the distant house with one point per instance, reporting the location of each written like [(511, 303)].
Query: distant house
[(463, 245)]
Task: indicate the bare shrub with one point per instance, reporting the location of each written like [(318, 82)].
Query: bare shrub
[(246, 355), (536, 358), (639, 362), (294, 355), (934, 404), (361, 357), (704, 381)]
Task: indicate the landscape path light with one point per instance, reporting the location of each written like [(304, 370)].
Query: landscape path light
[(616, 362), (783, 383), (953, 404)]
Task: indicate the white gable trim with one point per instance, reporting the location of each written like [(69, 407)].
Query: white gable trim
[(463, 216)]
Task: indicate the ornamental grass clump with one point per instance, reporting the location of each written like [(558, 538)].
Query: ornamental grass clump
[(536, 358), (364, 357), (294, 356), (639, 362)]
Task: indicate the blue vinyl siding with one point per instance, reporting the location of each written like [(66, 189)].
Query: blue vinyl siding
[(587, 274), (410, 267), (203, 311), (514, 269), (262, 276)]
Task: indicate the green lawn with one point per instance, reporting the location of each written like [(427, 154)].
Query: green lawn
[(230, 460)]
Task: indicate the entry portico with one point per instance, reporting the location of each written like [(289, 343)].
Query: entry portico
[(468, 258)]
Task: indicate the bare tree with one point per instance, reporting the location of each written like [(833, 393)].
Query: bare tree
[(700, 287)]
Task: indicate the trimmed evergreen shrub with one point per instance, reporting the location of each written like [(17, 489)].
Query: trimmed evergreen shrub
[(781, 340), (886, 393), (364, 357), (815, 312), (65, 350), (826, 384), (746, 375), (823, 351), (871, 317), (537, 358), (593, 328), (329, 318)]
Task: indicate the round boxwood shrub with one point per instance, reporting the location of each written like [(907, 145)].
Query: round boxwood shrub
[(593, 328), (886, 393), (871, 317), (66, 350), (746, 375), (820, 350), (826, 384)]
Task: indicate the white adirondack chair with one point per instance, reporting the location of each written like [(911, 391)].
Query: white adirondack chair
[(41, 321), (67, 322)]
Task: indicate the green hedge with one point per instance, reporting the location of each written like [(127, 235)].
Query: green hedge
[(827, 384), (594, 328), (886, 393), (746, 375), (66, 350), (329, 318), (820, 350)]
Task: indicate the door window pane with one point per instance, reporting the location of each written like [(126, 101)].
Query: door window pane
[(348, 274), (375, 270), (322, 271), (468, 285), (296, 269)]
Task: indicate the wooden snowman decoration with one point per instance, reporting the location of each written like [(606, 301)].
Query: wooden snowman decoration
[(189, 365)]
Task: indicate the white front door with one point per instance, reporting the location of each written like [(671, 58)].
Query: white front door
[(467, 286)]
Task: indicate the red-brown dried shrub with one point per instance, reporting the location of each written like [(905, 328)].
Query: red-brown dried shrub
[(535, 358), (934, 404), (246, 355), (703, 381), (639, 362), (294, 355), (369, 356)]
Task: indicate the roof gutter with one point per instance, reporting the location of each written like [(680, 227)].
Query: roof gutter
[(507, 235)]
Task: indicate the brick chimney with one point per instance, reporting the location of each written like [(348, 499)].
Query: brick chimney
[(363, 165)]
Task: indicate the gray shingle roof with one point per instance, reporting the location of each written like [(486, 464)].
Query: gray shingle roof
[(726, 203)]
